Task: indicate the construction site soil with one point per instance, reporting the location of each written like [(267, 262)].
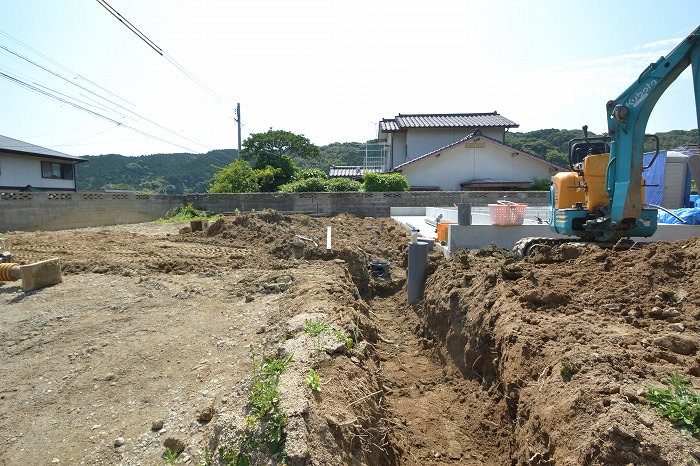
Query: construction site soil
[(152, 338)]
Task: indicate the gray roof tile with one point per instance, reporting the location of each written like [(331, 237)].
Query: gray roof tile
[(447, 120), (350, 171), (20, 147)]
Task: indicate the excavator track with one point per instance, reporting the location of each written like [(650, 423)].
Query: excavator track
[(525, 246)]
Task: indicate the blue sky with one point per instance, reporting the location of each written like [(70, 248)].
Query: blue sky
[(328, 70)]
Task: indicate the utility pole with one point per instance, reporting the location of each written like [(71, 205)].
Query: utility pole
[(238, 119)]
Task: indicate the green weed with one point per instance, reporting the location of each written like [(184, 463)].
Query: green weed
[(170, 456), (347, 339), (315, 328), (675, 402), (313, 381), (185, 214), (265, 426), (207, 459), (568, 369)]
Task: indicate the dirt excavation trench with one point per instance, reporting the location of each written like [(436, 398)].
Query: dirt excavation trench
[(251, 343)]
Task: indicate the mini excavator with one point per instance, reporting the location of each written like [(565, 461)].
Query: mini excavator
[(601, 200)]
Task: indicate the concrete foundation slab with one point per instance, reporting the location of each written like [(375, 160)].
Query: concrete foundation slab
[(481, 233)]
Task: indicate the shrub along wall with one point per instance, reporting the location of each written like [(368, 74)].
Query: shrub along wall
[(29, 211)]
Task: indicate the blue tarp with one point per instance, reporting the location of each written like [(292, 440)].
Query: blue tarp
[(654, 175), (691, 215), (654, 178)]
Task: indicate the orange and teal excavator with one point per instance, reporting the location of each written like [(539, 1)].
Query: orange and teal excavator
[(601, 199)]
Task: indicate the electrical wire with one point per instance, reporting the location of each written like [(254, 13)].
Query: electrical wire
[(57, 64), (165, 55), (130, 26), (22, 57), (51, 95), (97, 104)]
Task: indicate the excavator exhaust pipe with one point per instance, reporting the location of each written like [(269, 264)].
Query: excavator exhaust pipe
[(34, 276)]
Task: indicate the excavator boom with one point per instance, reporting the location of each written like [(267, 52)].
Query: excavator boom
[(601, 200)]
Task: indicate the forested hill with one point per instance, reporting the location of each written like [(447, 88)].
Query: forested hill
[(190, 173), (552, 144), (157, 173)]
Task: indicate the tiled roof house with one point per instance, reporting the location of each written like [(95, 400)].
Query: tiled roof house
[(24, 166)]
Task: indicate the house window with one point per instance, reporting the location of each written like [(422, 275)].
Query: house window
[(60, 171)]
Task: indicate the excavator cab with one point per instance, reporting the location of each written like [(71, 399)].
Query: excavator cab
[(580, 150)]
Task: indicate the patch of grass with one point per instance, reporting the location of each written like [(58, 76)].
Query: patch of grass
[(568, 369), (185, 214), (170, 456), (677, 403), (313, 381), (264, 428), (207, 459), (264, 403), (315, 328), (347, 339)]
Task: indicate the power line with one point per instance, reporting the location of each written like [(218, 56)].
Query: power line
[(96, 103), (163, 54), (51, 95), (55, 63), (18, 55), (131, 27)]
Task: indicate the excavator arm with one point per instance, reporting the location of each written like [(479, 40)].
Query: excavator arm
[(601, 199), (627, 119)]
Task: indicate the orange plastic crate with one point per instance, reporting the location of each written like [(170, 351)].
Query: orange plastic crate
[(507, 213)]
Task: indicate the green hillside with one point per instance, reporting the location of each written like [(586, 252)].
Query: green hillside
[(552, 144), (157, 173)]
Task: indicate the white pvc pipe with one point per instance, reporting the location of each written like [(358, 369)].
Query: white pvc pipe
[(328, 238)]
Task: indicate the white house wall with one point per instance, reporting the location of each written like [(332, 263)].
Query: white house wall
[(460, 164), (420, 141), (414, 142), (18, 172), (398, 149)]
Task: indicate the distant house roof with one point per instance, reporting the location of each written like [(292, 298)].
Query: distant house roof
[(476, 136), (692, 148), (347, 171), (15, 146), (446, 120)]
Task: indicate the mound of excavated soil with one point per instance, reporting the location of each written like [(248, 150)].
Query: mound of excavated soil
[(152, 337), (626, 319)]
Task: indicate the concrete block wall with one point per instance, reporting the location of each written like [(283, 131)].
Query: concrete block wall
[(29, 211)]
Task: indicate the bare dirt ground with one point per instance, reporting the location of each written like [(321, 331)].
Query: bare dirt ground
[(153, 335)]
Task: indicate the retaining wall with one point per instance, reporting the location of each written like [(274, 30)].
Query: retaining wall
[(29, 211)]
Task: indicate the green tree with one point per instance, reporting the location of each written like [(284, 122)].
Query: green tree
[(343, 184), (306, 173), (306, 185), (276, 148), (385, 182), (277, 143), (155, 185), (269, 178), (237, 177)]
